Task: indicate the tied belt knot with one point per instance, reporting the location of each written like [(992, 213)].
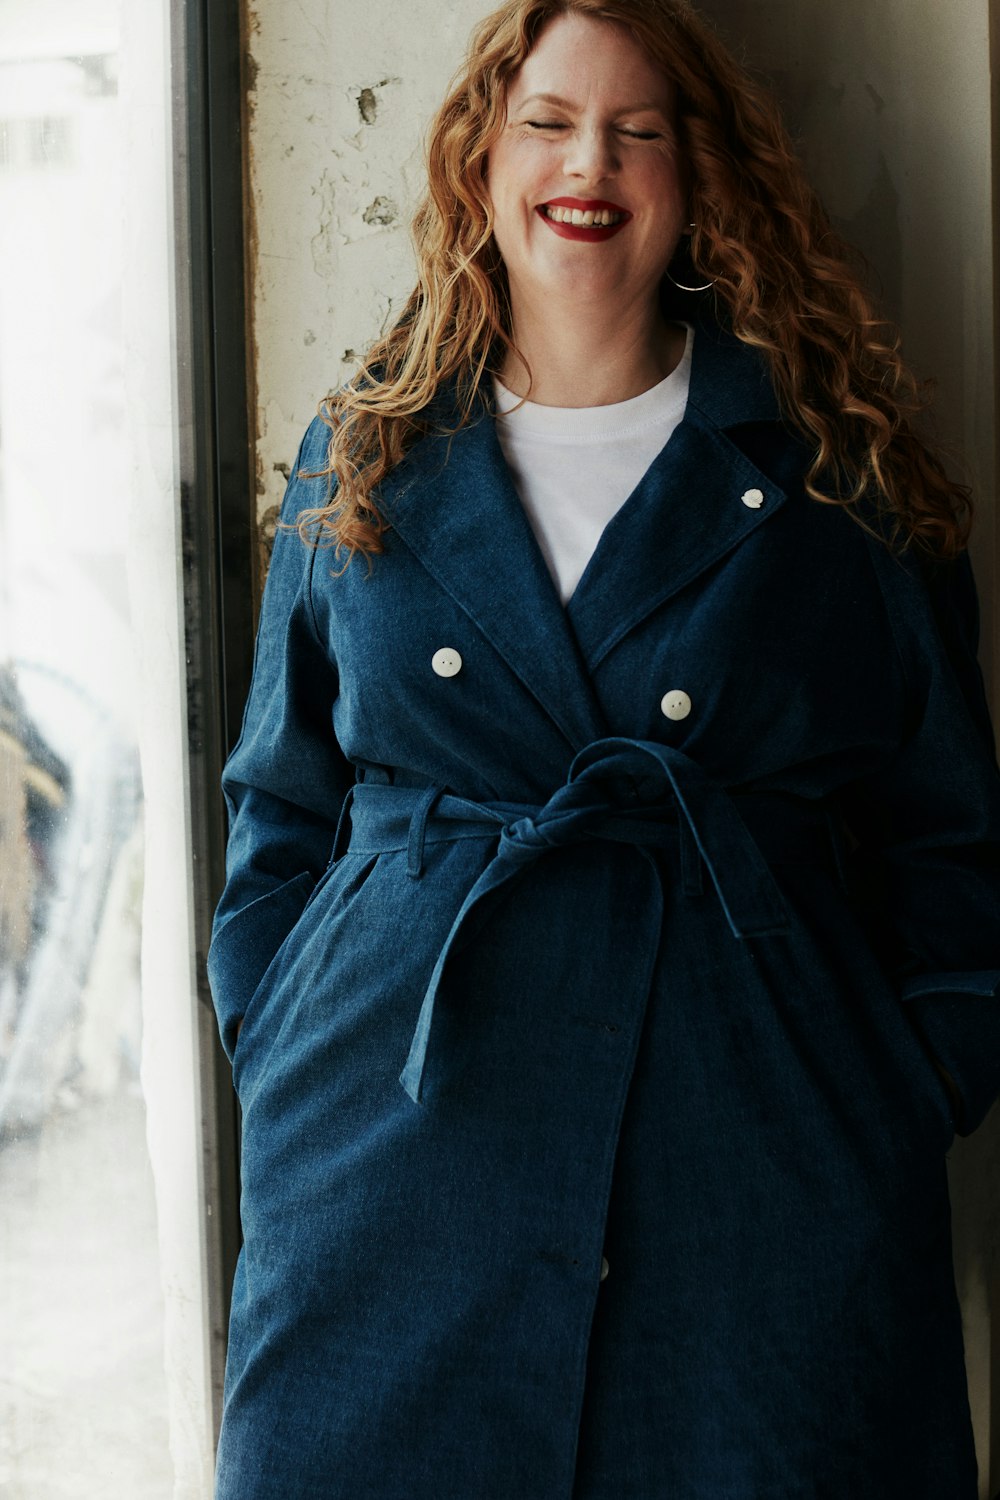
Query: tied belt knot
[(623, 790), (580, 808)]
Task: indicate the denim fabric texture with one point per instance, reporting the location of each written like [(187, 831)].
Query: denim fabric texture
[(593, 1143)]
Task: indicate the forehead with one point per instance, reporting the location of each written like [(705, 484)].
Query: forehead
[(578, 57)]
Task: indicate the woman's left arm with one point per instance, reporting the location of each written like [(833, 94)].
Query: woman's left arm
[(928, 825)]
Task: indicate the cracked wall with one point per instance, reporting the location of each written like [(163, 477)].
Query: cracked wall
[(338, 104)]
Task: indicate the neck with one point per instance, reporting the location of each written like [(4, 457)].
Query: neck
[(590, 357)]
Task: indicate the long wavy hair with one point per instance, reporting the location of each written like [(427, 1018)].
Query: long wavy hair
[(784, 281)]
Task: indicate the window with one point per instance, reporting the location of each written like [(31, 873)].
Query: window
[(116, 1237)]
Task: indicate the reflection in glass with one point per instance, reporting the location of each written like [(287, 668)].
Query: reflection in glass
[(83, 1392)]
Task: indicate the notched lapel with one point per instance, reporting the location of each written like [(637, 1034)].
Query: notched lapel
[(453, 503), (701, 497)]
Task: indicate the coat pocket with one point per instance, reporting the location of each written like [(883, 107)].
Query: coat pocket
[(327, 902), (244, 946), (839, 1016)]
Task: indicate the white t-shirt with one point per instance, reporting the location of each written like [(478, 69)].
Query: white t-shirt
[(574, 467)]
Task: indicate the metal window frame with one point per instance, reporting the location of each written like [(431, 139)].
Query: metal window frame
[(217, 522)]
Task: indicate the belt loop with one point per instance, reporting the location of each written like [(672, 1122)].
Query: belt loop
[(692, 868), (339, 836), (418, 828)]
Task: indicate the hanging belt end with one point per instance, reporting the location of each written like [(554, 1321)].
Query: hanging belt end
[(412, 1080), (412, 1076)]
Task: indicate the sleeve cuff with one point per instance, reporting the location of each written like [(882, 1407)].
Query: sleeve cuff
[(958, 1016), (243, 946)]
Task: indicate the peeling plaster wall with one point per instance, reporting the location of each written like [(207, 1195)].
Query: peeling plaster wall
[(339, 102)]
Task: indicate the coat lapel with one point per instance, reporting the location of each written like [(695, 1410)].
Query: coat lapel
[(700, 498), (453, 502)]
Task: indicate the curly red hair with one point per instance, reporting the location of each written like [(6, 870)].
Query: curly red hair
[(783, 279)]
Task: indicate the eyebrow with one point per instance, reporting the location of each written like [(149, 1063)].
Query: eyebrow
[(568, 104)]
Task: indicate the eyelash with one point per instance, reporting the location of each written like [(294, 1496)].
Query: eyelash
[(633, 135)]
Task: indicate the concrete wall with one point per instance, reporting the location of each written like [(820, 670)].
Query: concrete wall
[(337, 113), (891, 101)]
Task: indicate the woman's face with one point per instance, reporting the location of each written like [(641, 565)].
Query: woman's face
[(588, 194)]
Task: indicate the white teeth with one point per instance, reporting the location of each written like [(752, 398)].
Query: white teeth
[(599, 218)]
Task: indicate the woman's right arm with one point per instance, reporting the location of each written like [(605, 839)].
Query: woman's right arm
[(286, 779)]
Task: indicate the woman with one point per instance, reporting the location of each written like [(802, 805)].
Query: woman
[(598, 1069)]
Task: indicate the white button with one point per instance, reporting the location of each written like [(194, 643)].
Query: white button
[(605, 1268), (753, 498), (446, 662), (676, 705)]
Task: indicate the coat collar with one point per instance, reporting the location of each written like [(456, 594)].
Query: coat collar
[(453, 503)]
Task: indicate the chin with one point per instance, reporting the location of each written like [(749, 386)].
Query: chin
[(586, 288)]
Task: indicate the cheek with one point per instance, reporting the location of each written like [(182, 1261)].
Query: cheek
[(516, 172), (513, 207), (672, 208), (498, 186), (670, 180), (679, 188)]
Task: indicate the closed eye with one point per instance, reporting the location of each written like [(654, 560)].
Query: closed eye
[(633, 135)]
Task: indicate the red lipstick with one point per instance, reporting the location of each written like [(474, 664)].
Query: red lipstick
[(589, 233)]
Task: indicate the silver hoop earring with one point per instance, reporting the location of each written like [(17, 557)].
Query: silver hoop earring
[(682, 288), (680, 285)]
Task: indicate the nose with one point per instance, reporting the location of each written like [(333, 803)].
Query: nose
[(591, 154)]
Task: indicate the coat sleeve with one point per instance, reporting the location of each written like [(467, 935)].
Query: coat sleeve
[(286, 779), (928, 830)]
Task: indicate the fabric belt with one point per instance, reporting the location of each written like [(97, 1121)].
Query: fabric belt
[(622, 790)]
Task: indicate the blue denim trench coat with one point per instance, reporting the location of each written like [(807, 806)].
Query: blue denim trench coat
[(593, 1146)]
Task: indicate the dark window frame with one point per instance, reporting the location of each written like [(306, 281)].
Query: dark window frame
[(217, 497)]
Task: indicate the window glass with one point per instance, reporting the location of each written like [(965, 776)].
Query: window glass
[(95, 1288)]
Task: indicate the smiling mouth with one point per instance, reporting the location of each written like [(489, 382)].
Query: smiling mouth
[(590, 220)]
